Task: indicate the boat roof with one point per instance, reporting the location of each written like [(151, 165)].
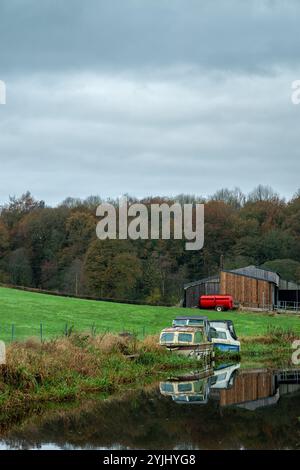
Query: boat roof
[(191, 317), (229, 322), (189, 329)]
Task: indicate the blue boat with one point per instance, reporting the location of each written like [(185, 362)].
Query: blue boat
[(224, 337)]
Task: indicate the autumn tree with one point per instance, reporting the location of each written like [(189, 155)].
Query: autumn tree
[(19, 268), (103, 276)]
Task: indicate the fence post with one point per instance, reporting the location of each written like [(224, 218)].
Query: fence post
[(41, 332)]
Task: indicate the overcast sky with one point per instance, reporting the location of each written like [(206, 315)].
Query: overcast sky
[(148, 97)]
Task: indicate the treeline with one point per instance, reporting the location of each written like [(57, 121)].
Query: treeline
[(56, 248)]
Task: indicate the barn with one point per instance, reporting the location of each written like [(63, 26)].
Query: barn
[(250, 286)]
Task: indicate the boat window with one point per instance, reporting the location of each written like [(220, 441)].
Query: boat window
[(221, 377), (179, 322), (167, 337), (199, 386), (196, 322), (222, 335), (197, 398), (181, 398), (232, 332), (198, 337), (185, 337), (185, 387), (167, 387), (213, 333)]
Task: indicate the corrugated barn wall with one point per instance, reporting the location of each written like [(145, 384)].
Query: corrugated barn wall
[(248, 291)]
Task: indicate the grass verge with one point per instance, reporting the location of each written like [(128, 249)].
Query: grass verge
[(271, 349), (71, 368)]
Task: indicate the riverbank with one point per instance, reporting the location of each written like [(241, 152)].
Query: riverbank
[(273, 349), (71, 368), (132, 410)]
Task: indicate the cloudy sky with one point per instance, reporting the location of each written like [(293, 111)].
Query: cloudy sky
[(148, 97)]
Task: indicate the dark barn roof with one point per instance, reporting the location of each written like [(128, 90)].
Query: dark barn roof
[(258, 273), (215, 278), (249, 271)]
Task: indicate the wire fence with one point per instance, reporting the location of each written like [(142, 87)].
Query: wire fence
[(281, 307), (44, 332)]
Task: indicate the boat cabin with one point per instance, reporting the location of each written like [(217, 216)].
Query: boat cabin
[(227, 324), (224, 337), (187, 340), (183, 336), (194, 321)]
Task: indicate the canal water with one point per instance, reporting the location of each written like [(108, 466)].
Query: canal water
[(222, 408)]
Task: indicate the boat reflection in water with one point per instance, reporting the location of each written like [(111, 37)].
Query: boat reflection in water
[(191, 388), (231, 386)]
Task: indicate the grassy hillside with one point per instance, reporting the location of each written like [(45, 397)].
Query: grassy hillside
[(26, 311)]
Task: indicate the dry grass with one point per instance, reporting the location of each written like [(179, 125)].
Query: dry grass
[(274, 335), (71, 367), (109, 343), (80, 354), (150, 344), (262, 339)]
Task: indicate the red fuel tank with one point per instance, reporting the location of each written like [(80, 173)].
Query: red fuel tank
[(218, 302)]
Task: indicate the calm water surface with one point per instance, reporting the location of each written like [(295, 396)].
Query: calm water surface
[(225, 408)]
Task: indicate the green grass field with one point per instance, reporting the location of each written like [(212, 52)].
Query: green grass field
[(26, 311)]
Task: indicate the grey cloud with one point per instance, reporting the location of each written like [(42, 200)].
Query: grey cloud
[(103, 134), (165, 97), (231, 35)]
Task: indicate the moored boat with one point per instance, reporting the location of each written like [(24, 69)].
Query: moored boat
[(189, 341), (225, 338), (220, 332)]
